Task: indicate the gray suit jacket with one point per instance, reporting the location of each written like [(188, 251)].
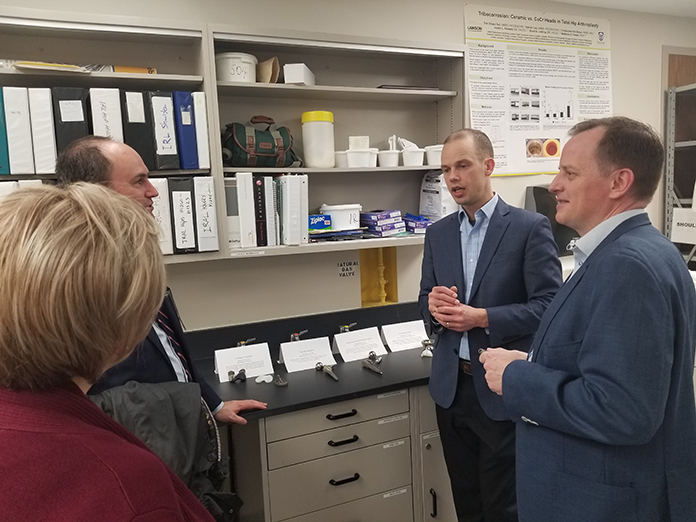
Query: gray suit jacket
[(517, 274), (606, 417)]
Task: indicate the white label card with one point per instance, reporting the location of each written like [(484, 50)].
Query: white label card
[(163, 116), (254, 358), (358, 344), (71, 110), (135, 107), (306, 353), (684, 226), (404, 336), (182, 207)]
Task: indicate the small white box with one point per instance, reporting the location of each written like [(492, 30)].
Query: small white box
[(298, 74), (358, 142)]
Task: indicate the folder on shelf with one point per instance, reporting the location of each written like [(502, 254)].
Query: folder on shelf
[(18, 122), (183, 215), (43, 133), (233, 236), (106, 113), (206, 217), (137, 126), (271, 204), (290, 209), (245, 203), (161, 107), (7, 188), (4, 154), (200, 118), (162, 214), (260, 211), (185, 130), (70, 115)]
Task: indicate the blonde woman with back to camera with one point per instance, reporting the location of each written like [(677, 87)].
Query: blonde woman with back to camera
[(81, 278)]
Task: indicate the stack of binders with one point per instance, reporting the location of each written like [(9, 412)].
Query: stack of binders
[(185, 212), (168, 129), (266, 211)]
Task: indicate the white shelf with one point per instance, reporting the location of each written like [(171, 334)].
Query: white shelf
[(331, 92), (328, 246), (684, 144), (686, 89), (307, 170), (14, 77), (192, 258)]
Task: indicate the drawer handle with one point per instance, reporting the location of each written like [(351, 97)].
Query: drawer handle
[(354, 438), (342, 415), (434, 495), (344, 481)]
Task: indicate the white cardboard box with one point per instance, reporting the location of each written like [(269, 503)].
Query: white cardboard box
[(298, 74)]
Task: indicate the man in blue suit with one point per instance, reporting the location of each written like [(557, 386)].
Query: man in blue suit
[(604, 402), (164, 355), (489, 272)]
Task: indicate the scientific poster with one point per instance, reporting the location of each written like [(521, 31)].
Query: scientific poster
[(531, 77)]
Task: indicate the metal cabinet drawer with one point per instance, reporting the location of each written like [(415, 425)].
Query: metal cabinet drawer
[(391, 506), (311, 486), (338, 440), (335, 415)]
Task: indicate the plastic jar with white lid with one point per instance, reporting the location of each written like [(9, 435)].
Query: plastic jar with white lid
[(318, 137)]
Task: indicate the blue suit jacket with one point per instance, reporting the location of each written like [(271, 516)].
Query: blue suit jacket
[(517, 274), (609, 431), (150, 363)]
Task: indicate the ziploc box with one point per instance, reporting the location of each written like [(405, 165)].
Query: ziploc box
[(319, 222), (298, 74)]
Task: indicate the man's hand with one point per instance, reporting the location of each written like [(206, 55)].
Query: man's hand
[(447, 310), (230, 409), (494, 361)]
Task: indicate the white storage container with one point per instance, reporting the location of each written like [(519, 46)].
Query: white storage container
[(318, 137), (413, 157), (433, 154), (298, 74), (388, 158), (373, 157), (341, 159), (359, 158), (343, 217), (236, 67)]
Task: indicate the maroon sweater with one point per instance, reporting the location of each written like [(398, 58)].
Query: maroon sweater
[(62, 459)]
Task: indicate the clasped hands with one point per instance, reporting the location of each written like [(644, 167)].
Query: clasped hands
[(446, 309)]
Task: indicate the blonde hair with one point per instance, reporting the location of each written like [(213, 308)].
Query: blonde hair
[(81, 279)]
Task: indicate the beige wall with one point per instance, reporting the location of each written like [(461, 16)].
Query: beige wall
[(238, 291)]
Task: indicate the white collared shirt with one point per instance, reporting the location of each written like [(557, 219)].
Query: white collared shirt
[(584, 246)]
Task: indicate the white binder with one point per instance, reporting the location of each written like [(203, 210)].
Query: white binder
[(200, 118), (206, 217), (18, 124), (106, 113), (247, 215), (162, 214), (43, 132), (270, 202), (304, 207), (7, 188), (290, 209)]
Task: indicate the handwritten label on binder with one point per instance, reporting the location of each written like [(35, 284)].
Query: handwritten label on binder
[(183, 219), (163, 115)]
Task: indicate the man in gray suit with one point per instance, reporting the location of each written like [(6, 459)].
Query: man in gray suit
[(604, 402), (489, 272)]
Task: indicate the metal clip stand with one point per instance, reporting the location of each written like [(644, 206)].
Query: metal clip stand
[(241, 375), (346, 327), (244, 343), (367, 364), (428, 345)]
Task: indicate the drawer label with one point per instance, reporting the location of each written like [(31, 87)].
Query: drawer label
[(392, 419), (431, 435), (391, 394), (395, 493), (394, 444)]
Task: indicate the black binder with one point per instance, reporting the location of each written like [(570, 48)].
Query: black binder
[(260, 212), (161, 107), (70, 114), (137, 126)]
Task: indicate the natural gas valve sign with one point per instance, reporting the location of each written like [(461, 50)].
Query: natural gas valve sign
[(347, 269)]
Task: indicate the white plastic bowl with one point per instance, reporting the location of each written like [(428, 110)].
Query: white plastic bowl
[(388, 158), (359, 158), (413, 157), (433, 154), (341, 159), (373, 157)]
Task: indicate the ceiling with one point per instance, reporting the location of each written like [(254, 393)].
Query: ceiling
[(665, 7)]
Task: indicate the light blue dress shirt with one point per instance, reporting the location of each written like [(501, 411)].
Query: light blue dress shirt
[(472, 237)]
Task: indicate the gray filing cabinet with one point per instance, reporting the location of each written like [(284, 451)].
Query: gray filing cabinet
[(436, 491), (346, 461)]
